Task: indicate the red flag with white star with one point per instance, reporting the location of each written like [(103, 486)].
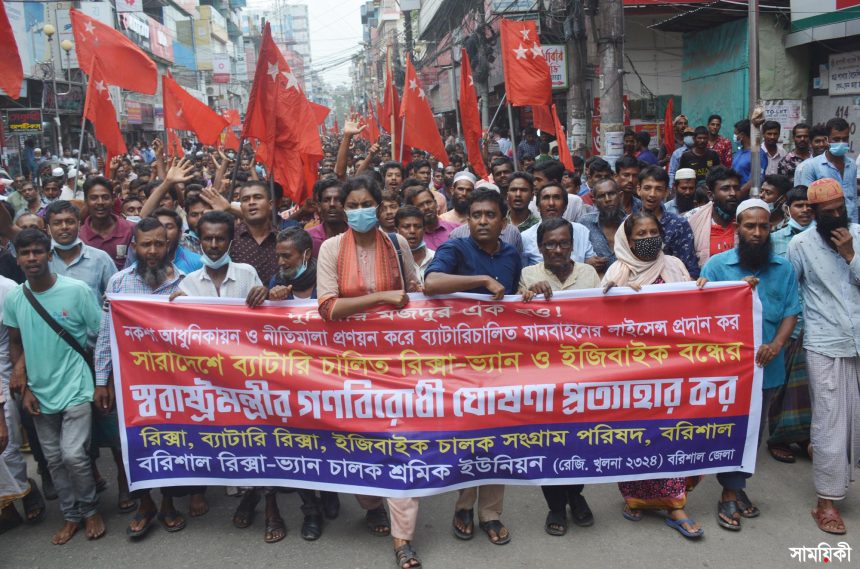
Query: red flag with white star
[(100, 111), (11, 70), (420, 131), (182, 111), (527, 78), (122, 62), (282, 120), (470, 117)]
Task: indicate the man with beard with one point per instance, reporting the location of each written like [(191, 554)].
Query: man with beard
[(834, 164), (604, 223), (552, 201), (33, 202), (461, 188), (103, 229), (520, 195), (713, 224), (685, 191), (753, 261), (436, 231), (828, 267), (153, 274), (802, 151), (332, 218)]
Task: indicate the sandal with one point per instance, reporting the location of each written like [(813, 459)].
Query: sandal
[(34, 502), (245, 512), (580, 512), (311, 528), (274, 525), (631, 514), (467, 519), (495, 526), (175, 517), (782, 453), (556, 523), (378, 522), (679, 525), (829, 516), (745, 506), (406, 555), (147, 517), (728, 509)]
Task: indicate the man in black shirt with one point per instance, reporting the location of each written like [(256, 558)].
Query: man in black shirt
[(700, 158)]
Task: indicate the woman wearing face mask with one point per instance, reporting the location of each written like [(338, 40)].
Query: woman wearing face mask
[(641, 261), (356, 271)]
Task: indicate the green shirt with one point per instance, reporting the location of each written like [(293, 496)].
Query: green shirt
[(57, 375)]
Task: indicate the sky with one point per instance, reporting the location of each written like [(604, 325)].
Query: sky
[(335, 31)]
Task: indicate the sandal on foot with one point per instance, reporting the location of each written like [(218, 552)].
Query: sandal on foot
[(745, 506), (495, 526), (631, 514), (828, 516), (175, 517), (580, 512), (378, 522), (556, 523), (272, 526), (311, 528), (679, 525), (728, 509), (147, 517), (406, 555), (245, 512), (782, 453), (467, 519), (34, 502)]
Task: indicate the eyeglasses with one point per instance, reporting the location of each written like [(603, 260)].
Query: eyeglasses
[(553, 245)]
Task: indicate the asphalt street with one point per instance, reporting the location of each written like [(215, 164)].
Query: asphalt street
[(783, 492)]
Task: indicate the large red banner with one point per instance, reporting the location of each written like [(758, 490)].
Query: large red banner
[(444, 393)]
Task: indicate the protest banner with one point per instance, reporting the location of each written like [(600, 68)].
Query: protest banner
[(443, 394)]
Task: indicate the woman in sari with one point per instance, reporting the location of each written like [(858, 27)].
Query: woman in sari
[(641, 261), (358, 270)]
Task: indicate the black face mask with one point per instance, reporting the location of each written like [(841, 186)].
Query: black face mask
[(826, 224), (648, 248)]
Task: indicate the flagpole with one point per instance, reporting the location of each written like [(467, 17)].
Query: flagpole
[(501, 105), (513, 137), (402, 138), (388, 70), (83, 127)]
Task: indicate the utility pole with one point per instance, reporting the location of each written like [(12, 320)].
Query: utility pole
[(755, 141), (577, 55), (610, 48), (407, 31), (481, 79)]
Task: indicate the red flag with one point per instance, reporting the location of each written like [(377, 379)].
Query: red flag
[(543, 119), (390, 109), (669, 127), (372, 128), (336, 128), (563, 150), (11, 70), (124, 64), (281, 119), (232, 116), (320, 112), (420, 130), (470, 116), (231, 141), (527, 79), (99, 109), (182, 111)]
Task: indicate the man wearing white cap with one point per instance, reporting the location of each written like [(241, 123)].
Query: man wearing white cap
[(826, 261), (752, 260), (71, 189), (461, 187), (685, 192)]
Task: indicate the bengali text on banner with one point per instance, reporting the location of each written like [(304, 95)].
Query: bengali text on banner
[(443, 394)]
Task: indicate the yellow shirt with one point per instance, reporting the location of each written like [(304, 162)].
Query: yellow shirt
[(582, 276)]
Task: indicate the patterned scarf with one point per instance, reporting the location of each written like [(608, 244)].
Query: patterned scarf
[(386, 269)]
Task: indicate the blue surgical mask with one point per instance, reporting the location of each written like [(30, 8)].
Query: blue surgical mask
[(67, 247), (839, 148), (302, 268), (418, 247), (133, 218), (362, 220), (222, 261), (688, 141), (795, 225)]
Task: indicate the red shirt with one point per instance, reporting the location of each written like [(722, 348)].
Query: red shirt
[(722, 238), (723, 147), (115, 244)]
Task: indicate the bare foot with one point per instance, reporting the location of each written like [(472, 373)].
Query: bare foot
[(66, 532), (94, 526), (198, 505)]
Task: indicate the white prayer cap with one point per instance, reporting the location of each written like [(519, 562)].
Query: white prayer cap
[(464, 175), (685, 174), (37, 151), (750, 204), (58, 173), (72, 172), (488, 186)]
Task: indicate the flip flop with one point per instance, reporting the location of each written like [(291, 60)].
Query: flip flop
[(170, 516), (555, 519), (245, 512), (678, 525), (728, 509), (148, 518), (782, 453), (744, 504), (378, 518), (33, 501), (628, 514), (495, 526), (467, 518)]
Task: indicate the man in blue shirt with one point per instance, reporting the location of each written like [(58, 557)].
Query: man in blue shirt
[(832, 164), (753, 261), (483, 264)]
